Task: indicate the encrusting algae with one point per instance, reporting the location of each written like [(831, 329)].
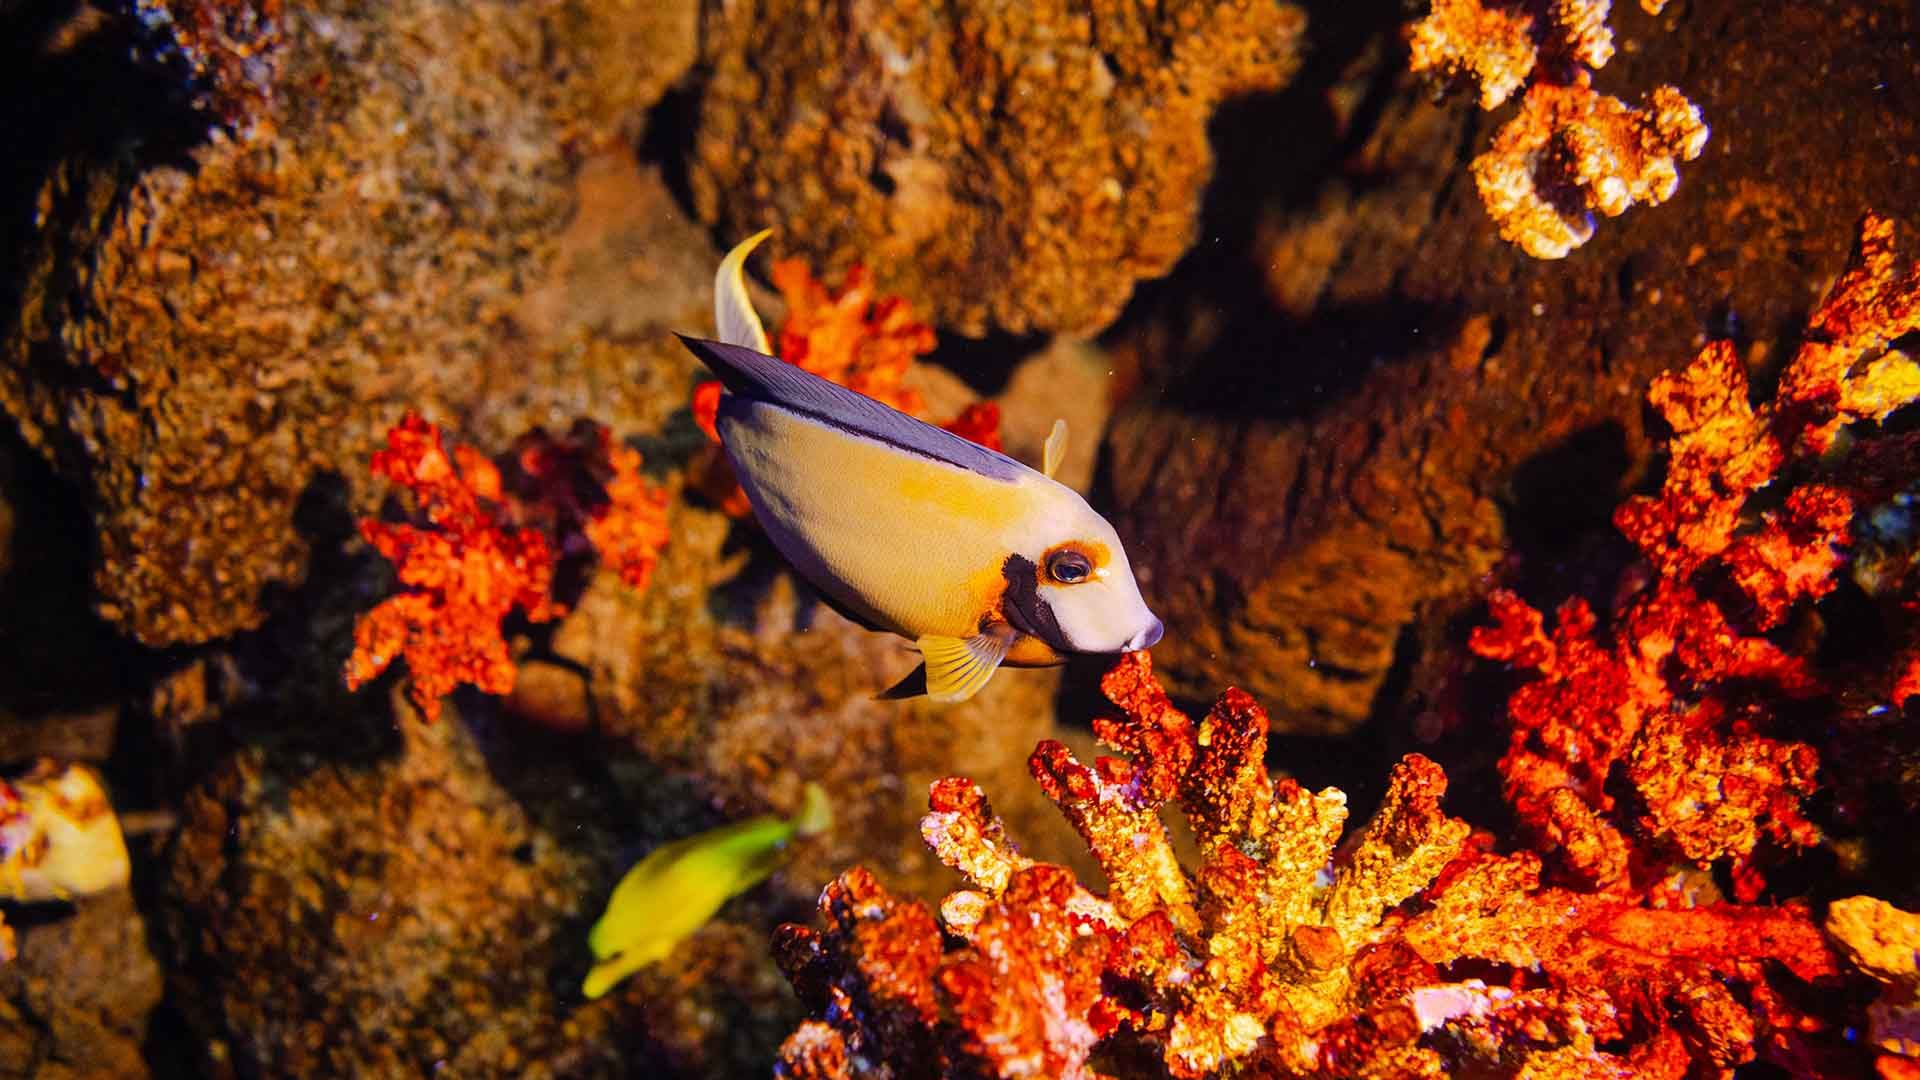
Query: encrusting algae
[(672, 892)]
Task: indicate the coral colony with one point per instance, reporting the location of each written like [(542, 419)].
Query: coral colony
[(1571, 150), (465, 570)]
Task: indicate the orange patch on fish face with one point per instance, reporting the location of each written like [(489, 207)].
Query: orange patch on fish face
[(1093, 551), (1030, 651)]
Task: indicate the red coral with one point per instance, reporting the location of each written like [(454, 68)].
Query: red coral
[(587, 486), (1413, 949), (462, 573), (1906, 683), (849, 336), (1671, 706)]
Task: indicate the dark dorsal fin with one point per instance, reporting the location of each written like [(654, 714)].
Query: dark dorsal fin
[(759, 377)]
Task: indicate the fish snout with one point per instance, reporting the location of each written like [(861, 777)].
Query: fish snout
[(1149, 637)]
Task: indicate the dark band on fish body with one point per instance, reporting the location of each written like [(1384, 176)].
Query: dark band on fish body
[(1024, 609), (755, 376)]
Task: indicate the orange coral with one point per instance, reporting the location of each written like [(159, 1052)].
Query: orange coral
[(848, 335), (1906, 684), (851, 337), (1285, 953), (462, 573), (1463, 40), (632, 528), (1571, 150), (588, 486), (1658, 702)]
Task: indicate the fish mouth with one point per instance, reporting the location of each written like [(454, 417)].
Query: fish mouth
[(1147, 638)]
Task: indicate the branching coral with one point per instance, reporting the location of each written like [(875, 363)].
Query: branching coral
[(853, 337), (470, 566), (484, 552), (1285, 953), (462, 573), (59, 838), (1571, 151), (1675, 699)]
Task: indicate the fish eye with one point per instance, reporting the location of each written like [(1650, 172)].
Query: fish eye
[(1068, 567)]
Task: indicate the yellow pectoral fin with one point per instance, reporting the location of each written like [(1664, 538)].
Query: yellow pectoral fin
[(957, 668)]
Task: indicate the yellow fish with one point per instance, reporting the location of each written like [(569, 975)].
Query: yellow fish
[(672, 892), (906, 528)]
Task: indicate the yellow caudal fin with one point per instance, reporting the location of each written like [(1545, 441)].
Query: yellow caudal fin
[(958, 667), (734, 319), (1056, 450)]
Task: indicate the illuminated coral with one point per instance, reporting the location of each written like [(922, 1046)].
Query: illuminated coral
[(1660, 980), (1492, 47), (1906, 683), (632, 528), (59, 838), (1660, 701), (1286, 952), (850, 336), (1495, 45), (462, 573), (490, 546), (1571, 150)]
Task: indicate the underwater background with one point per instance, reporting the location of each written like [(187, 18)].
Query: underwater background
[(1506, 405)]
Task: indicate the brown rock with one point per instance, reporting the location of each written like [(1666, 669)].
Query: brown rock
[(1018, 166), (387, 917), (74, 1003)]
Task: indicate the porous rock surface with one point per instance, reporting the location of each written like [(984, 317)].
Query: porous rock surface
[(1003, 165)]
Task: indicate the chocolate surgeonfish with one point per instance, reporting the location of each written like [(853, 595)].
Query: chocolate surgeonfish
[(976, 559)]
